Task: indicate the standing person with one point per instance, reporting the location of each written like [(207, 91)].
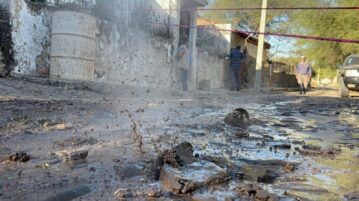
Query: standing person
[(243, 71), (236, 57), (182, 60), (303, 73)]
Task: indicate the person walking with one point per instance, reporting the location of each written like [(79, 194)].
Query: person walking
[(303, 73)]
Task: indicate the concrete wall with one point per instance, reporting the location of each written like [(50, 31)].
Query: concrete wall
[(213, 47), (133, 51)]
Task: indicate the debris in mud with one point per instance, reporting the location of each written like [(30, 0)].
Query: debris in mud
[(191, 177), (78, 155), (283, 146), (123, 193), (75, 141), (180, 155), (215, 194), (19, 157), (266, 171), (313, 150), (56, 126), (152, 190), (131, 170), (136, 134), (238, 118), (269, 176), (253, 190), (47, 164), (222, 162), (311, 147), (242, 134)]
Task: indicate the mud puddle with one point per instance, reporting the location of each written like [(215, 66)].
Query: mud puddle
[(303, 148)]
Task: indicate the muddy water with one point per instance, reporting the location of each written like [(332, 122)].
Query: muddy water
[(283, 124), (257, 153)]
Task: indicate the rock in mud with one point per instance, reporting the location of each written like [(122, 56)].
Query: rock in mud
[(289, 167), (255, 191), (180, 155), (78, 155), (190, 177), (238, 118), (249, 189), (19, 157), (352, 197)]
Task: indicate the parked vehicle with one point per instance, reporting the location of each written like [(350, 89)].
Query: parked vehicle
[(349, 75)]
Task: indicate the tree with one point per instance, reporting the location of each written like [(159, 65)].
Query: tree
[(331, 24), (323, 23)]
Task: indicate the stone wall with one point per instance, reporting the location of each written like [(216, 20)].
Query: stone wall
[(284, 80), (30, 35)]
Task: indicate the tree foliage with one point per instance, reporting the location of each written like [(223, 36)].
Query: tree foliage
[(332, 24)]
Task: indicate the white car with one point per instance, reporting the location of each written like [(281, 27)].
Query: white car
[(349, 75)]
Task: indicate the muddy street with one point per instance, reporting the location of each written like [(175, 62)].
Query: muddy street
[(67, 142)]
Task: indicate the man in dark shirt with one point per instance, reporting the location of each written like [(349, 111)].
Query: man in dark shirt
[(303, 73), (236, 57)]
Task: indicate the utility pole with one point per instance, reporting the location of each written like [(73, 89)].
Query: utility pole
[(260, 50)]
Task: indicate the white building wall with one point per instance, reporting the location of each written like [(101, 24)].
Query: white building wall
[(130, 48), (30, 36)]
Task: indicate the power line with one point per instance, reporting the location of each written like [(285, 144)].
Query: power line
[(247, 8), (318, 38), (280, 8)]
